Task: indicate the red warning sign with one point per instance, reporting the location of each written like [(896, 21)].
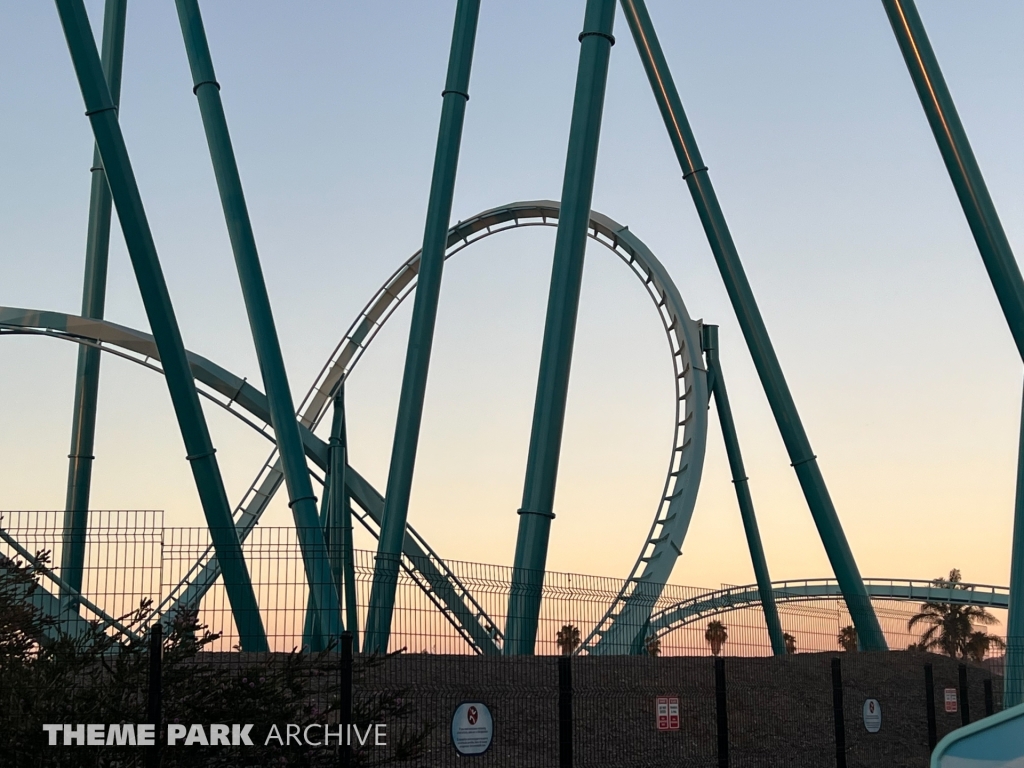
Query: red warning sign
[(950, 697), (668, 713)]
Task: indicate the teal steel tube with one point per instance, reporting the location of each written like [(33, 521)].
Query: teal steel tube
[(261, 320), (137, 235), (961, 164), (996, 254), (421, 333), (94, 292), (1013, 680), (536, 513), (740, 481), (312, 637), (332, 519), (761, 350), (342, 550)]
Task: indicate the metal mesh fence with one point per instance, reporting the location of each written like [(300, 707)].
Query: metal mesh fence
[(685, 702), (131, 557)]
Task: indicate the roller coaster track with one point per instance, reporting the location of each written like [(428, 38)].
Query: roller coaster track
[(627, 616), (697, 608)]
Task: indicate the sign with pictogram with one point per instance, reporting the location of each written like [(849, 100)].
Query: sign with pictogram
[(872, 715), (950, 697), (667, 711), (472, 728)]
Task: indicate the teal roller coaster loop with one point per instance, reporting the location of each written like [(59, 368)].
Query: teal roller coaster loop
[(664, 540)]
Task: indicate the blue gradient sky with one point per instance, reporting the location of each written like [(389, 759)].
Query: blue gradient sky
[(871, 286)]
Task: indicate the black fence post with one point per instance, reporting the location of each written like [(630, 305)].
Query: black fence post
[(154, 704), (722, 711), (965, 704), (565, 712), (837, 712), (990, 706), (929, 698), (345, 707)]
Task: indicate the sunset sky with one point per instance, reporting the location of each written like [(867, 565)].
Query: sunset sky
[(886, 325)]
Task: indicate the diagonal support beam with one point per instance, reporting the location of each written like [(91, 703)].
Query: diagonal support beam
[(1002, 267), (421, 333), (339, 518), (739, 480), (195, 433), (752, 324), (536, 513), (94, 292), (261, 320)]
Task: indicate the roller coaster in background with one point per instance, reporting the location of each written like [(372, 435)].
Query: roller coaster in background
[(325, 533)]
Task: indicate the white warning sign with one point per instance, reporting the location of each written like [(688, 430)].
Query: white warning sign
[(668, 713), (872, 715), (472, 728)]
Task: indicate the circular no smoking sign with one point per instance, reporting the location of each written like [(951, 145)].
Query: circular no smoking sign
[(472, 728)]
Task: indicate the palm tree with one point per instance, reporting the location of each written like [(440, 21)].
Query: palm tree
[(790, 642), (979, 644), (716, 635), (653, 645), (568, 639), (847, 638), (951, 627)]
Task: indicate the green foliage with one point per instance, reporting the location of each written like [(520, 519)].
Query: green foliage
[(847, 638), (951, 626), (653, 645), (102, 679), (568, 639), (790, 641), (716, 634)]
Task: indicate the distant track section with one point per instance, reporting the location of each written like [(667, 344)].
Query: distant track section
[(711, 604)]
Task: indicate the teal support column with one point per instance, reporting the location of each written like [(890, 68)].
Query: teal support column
[(342, 548), (536, 514), (996, 254), (1013, 680), (261, 320), (421, 333), (960, 162), (716, 382), (138, 237), (312, 637), (754, 332), (336, 520), (94, 293)]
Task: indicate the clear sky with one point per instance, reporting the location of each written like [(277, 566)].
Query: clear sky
[(888, 330)]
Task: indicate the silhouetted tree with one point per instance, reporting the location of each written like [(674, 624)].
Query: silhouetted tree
[(716, 634), (847, 638), (568, 639), (950, 626), (790, 642), (653, 646)]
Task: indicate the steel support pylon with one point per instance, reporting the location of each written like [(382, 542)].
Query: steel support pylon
[(94, 292), (336, 520), (124, 191), (340, 539), (1013, 679), (421, 332), (1002, 267), (536, 512), (301, 499), (716, 384), (752, 324)]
